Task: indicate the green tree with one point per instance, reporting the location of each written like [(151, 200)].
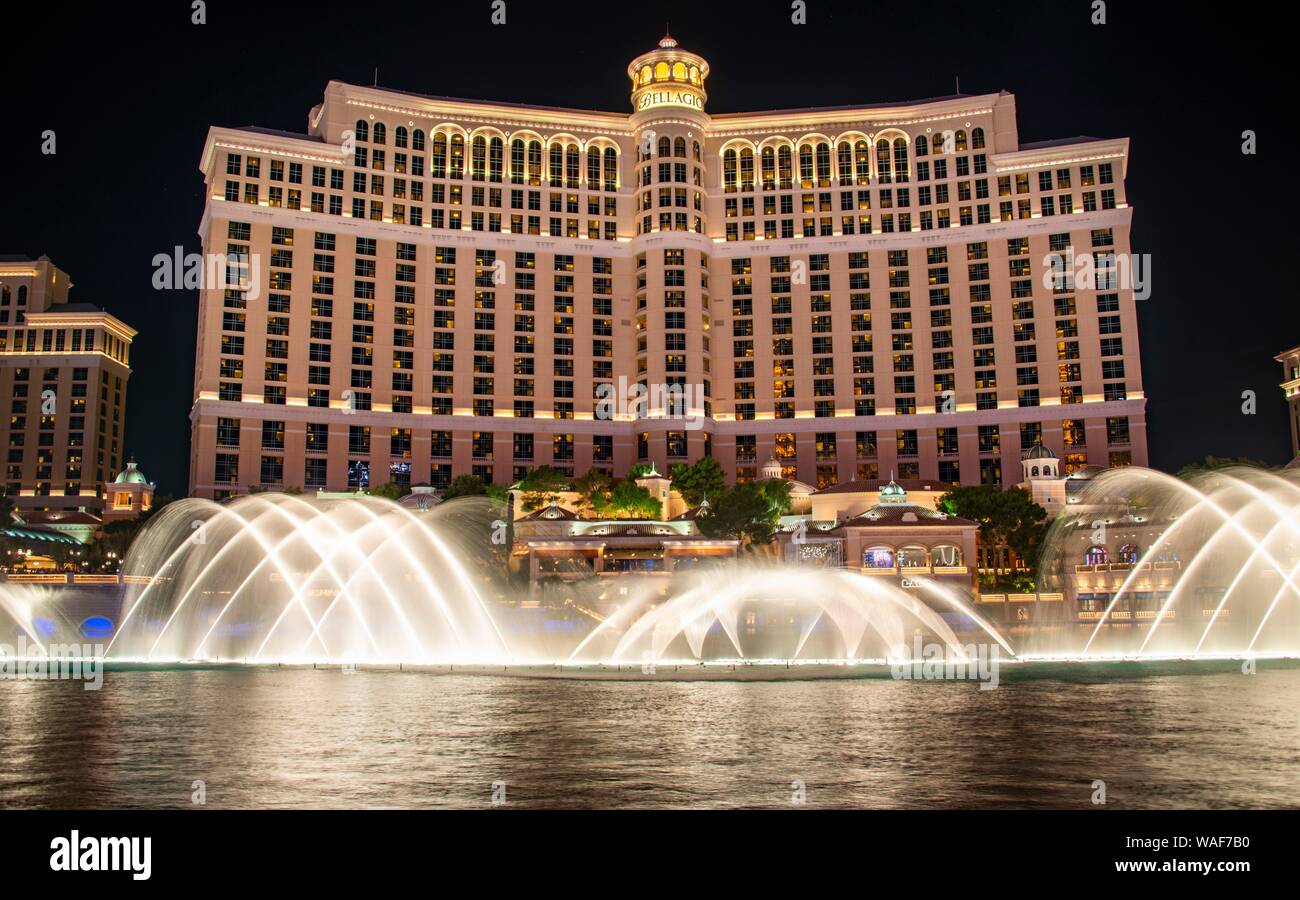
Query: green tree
[(589, 486), (742, 511), (639, 470), (1010, 521), (540, 486), (696, 482), (465, 486), (391, 491), (777, 491), (626, 500)]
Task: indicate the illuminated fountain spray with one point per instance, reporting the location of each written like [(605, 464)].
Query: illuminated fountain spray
[(751, 612), (21, 618), (1205, 567), (280, 578), (276, 577)]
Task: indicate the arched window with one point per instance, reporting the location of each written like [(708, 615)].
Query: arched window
[(912, 558), (478, 158), (1095, 556), (400, 136), (611, 169), (665, 146), (823, 165), (645, 75), (862, 161), (977, 139), (661, 71), (878, 558), (806, 166), (572, 167), (768, 165), (961, 141), (361, 131), (883, 168), (695, 74), (438, 163), (417, 140), (379, 134), (845, 156), (679, 147), (4, 295), (22, 294), (1129, 553), (900, 160), (679, 71), (556, 165), (922, 145), (593, 168), (457, 157), (946, 555), (517, 161), (747, 169), (496, 159), (535, 163), (729, 171), (1033, 472), (696, 150), (785, 167)]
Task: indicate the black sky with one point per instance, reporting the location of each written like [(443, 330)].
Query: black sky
[(130, 93)]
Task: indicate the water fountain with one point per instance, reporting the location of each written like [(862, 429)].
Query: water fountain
[(780, 613), (1150, 566), (1166, 567), (288, 578)]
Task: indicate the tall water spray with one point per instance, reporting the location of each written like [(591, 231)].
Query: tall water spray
[(1163, 566), (280, 578), (288, 578)]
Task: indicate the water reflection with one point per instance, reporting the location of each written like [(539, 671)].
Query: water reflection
[(323, 739)]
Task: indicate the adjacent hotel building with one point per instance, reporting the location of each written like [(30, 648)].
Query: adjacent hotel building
[(1290, 360), (63, 370), (421, 287)]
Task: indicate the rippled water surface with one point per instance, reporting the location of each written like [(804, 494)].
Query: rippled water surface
[(304, 738)]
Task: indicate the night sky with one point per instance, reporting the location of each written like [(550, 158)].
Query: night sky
[(131, 91)]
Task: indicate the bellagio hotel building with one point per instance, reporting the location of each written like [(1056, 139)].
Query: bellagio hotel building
[(422, 287)]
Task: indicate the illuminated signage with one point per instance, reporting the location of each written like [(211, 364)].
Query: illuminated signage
[(673, 97)]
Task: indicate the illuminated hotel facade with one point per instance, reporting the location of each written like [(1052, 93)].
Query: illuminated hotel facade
[(421, 287), (64, 369)]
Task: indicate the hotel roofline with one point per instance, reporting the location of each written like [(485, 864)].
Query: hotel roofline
[(505, 114), (82, 314)]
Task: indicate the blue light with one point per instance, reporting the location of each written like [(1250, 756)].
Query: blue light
[(97, 627)]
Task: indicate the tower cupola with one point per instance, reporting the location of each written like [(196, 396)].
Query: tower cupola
[(668, 76)]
